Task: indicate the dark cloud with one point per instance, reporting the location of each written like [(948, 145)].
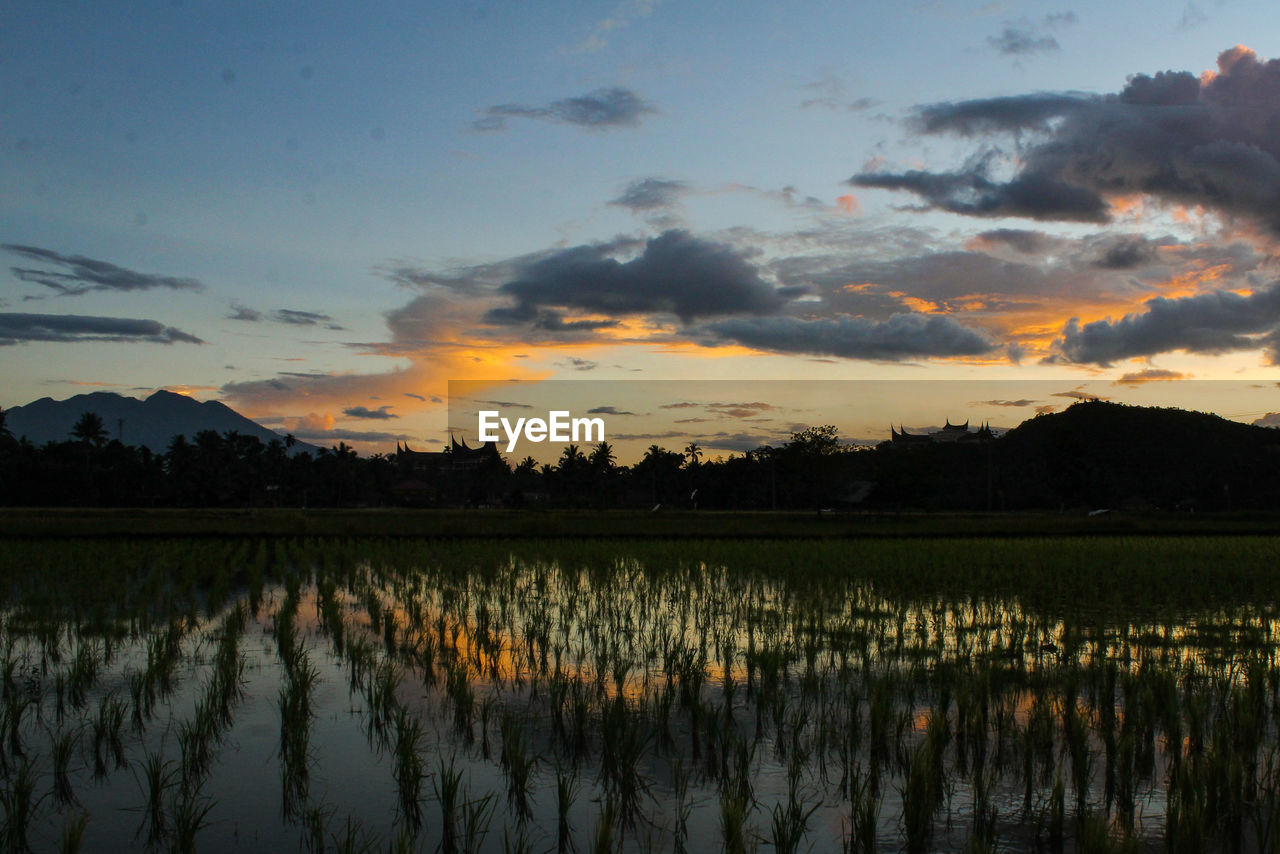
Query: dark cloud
[(1034, 195), (597, 110), (1019, 403), (583, 364), (1020, 40), (67, 328), (902, 336), (415, 396), (505, 404), (1034, 112), (1020, 240), (1215, 322), (649, 194), (379, 414), (302, 318), (677, 273), (1175, 136), (551, 321), (608, 410), (292, 317), (243, 312), (79, 275), (1127, 253)]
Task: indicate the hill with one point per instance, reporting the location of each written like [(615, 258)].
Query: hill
[(1102, 454), (151, 423)]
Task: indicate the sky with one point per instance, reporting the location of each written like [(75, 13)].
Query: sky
[(322, 213)]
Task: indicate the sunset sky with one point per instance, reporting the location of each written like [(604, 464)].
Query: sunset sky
[(320, 213)]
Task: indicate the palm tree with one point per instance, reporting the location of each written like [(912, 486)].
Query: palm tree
[(693, 454), (602, 459), (571, 459), (90, 430)]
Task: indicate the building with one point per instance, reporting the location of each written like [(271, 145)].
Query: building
[(951, 434), (457, 476)]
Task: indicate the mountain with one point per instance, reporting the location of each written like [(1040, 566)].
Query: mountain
[(151, 423), (1102, 454)]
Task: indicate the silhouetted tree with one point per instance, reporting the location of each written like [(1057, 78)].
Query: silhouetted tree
[(90, 430)]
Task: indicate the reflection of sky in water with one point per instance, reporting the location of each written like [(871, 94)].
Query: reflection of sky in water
[(815, 674)]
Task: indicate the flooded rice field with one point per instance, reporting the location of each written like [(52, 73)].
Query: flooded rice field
[(321, 695)]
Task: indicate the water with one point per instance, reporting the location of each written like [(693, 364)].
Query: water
[(683, 702)]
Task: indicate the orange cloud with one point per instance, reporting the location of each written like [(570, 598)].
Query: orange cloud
[(848, 203)]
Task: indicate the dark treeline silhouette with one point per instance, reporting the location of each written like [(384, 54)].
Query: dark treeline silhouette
[(1093, 455)]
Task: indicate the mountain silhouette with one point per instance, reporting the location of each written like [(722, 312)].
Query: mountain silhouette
[(1106, 454), (151, 423)]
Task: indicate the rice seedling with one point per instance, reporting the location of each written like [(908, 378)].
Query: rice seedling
[(155, 780), (519, 763), (354, 838), (864, 814), (476, 815), (567, 789), (63, 748), (604, 839), (408, 768), (791, 821), (189, 814), (72, 837), (19, 802)]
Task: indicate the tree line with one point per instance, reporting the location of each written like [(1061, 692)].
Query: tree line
[(1093, 455)]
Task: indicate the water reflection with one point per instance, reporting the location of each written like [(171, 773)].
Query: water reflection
[(355, 695)]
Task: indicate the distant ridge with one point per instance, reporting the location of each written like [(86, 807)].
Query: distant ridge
[(1105, 454), (151, 423)]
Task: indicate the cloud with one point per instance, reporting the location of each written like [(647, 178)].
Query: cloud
[(299, 318), (243, 312), (1021, 39), (1271, 419), (608, 410), (68, 328), (647, 194), (1215, 322), (1077, 393), (601, 109), (676, 272), (1151, 375), (80, 275), (292, 317), (624, 14), (1020, 402), (1038, 196), (1127, 253), (379, 414), (1173, 136), (1020, 240), (902, 336), (829, 92)]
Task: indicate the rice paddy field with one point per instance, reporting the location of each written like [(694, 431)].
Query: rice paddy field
[(1066, 693)]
